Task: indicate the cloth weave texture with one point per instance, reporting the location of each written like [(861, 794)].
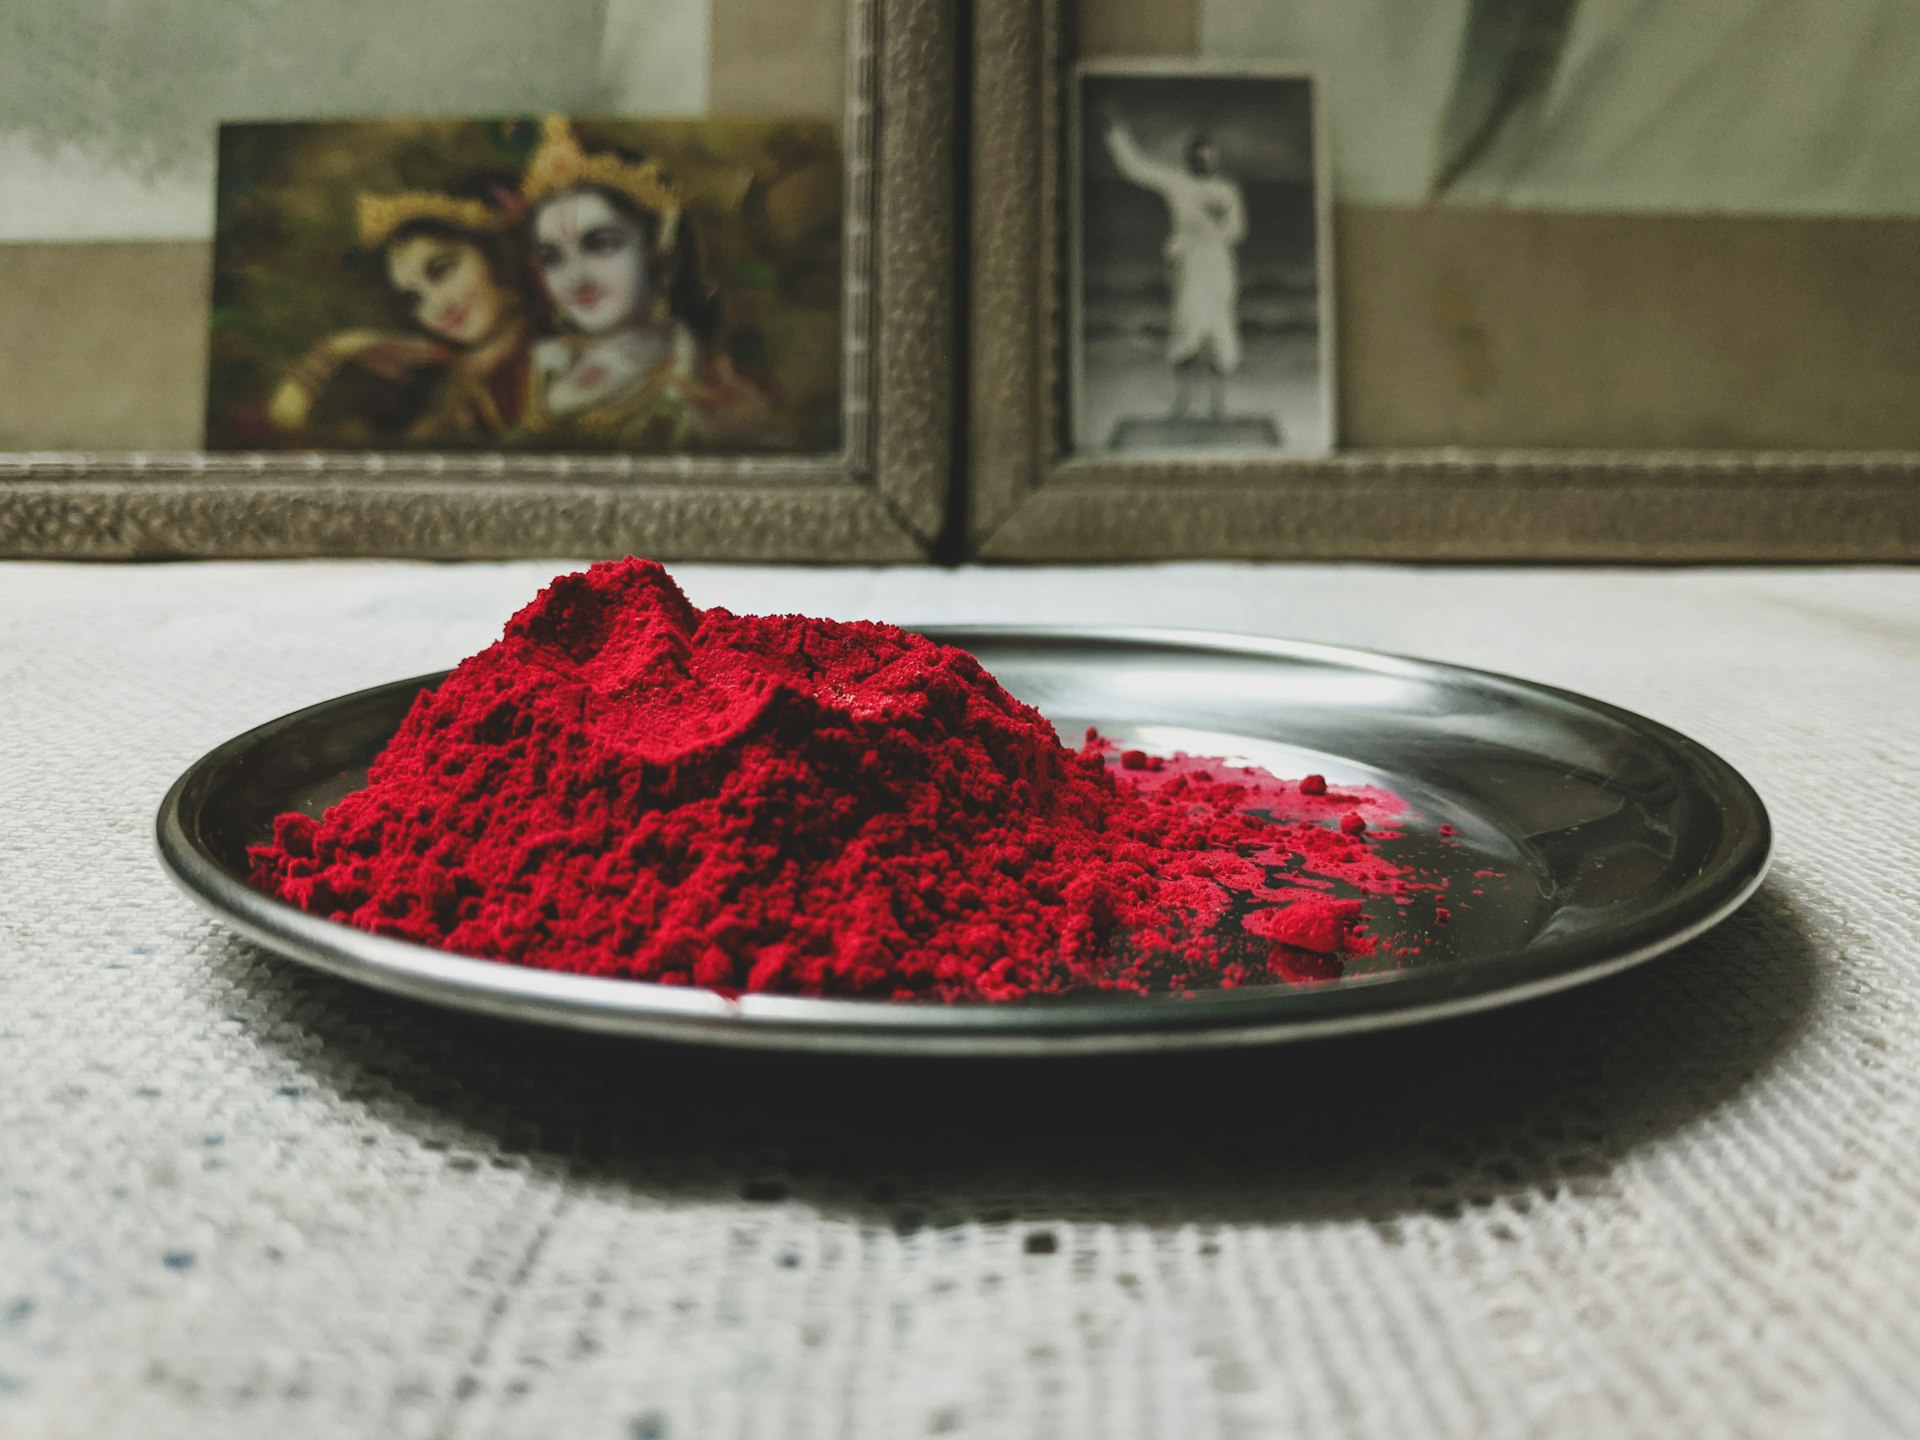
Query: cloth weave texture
[(241, 1199)]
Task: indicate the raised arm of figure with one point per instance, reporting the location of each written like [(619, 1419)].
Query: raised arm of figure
[(1133, 162)]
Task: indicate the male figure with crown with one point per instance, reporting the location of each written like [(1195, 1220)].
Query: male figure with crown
[(631, 366)]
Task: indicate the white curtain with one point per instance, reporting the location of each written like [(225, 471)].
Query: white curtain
[(1782, 106)]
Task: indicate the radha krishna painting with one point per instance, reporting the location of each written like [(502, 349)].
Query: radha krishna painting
[(632, 286)]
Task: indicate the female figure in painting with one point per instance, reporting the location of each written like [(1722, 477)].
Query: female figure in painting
[(447, 261), (1209, 221), (632, 367)]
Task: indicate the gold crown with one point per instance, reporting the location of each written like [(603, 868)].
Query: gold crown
[(560, 165), (381, 215)]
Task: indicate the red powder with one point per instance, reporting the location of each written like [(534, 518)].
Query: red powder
[(1314, 923), (625, 785)]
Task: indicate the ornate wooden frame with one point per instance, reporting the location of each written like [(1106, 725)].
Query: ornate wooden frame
[(1028, 499), (884, 497)]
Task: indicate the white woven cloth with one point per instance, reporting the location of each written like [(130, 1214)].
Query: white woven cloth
[(241, 1200)]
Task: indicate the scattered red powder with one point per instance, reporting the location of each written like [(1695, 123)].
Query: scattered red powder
[(625, 785), (1314, 923)]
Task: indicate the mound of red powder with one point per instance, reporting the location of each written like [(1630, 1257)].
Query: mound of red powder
[(625, 785)]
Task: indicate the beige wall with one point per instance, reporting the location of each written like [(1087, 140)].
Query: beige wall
[(777, 56), (105, 344), (1138, 27), (1516, 328)]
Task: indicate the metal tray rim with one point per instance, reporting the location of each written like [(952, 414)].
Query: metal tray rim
[(1074, 1026)]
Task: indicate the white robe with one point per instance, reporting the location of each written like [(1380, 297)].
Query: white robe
[(1209, 220)]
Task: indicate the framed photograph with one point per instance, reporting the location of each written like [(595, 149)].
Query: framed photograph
[(547, 285), (1505, 378), (671, 278), (1200, 246)]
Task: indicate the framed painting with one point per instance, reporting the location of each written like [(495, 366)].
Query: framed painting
[(1429, 322), (666, 278)]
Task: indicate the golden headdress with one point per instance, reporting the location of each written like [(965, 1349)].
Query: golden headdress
[(382, 215), (560, 165)]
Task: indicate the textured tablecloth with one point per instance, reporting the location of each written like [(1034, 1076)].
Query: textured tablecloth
[(239, 1199)]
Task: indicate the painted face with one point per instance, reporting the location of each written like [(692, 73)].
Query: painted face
[(592, 259), (449, 286)]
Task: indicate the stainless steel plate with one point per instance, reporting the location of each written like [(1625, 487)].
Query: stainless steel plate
[(1586, 840)]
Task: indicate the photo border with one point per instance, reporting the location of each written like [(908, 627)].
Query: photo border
[(884, 497), (1076, 280), (1029, 499)]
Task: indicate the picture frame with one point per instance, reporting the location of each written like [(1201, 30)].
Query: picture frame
[(1030, 499), (884, 496), (1265, 99)]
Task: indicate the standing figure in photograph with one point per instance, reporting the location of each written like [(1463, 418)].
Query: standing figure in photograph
[(633, 365), (1209, 220)]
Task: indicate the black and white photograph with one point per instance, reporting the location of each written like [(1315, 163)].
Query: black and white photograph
[(1198, 318)]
